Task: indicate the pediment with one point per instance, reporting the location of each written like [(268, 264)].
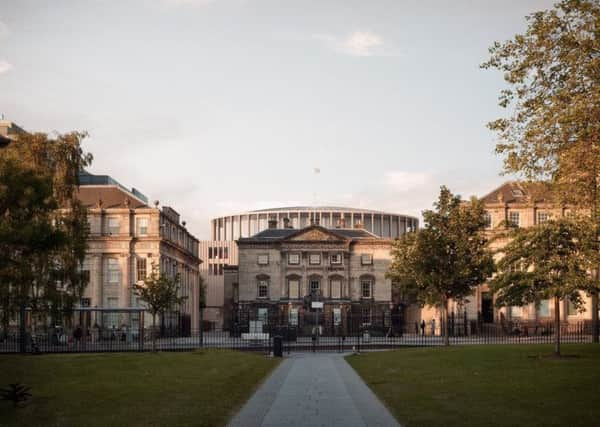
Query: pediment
[(316, 234)]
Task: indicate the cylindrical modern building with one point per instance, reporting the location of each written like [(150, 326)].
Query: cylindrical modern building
[(383, 224), (221, 250)]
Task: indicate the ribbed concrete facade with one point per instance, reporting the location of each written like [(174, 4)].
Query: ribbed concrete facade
[(222, 250)]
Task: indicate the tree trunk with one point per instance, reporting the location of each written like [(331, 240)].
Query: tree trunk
[(556, 326), (595, 328), (445, 322), (153, 331)]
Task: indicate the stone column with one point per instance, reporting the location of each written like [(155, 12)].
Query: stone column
[(126, 282), (97, 277)]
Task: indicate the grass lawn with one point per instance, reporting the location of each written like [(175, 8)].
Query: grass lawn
[(492, 385), (117, 389)]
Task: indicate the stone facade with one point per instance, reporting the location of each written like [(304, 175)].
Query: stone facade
[(523, 205), (281, 271), (221, 252), (127, 238)]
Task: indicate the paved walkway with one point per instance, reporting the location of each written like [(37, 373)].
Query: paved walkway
[(314, 390)]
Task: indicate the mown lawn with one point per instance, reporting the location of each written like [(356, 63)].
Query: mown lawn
[(117, 389), (493, 385)]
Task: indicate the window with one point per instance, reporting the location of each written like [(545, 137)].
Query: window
[(366, 315), (487, 218), (544, 308), (365, 289), (366, 259), (571, 309), (315, 285), (220, 269), (226, 253), (337, 316), (293, 288), (114, 271), (263, 315), (293, 317), (516, 311), (210, 253), (114, 225), (263, 289), (293, 259), (542, 217), (336, 259), (263, 259), (336, 288), (141, 268), (314, 259), (142, 226), (221, 253), (513, 219)]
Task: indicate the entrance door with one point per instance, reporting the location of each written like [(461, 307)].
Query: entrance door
[(487, 307)]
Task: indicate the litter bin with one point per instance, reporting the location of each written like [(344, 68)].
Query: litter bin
[(277, 346)]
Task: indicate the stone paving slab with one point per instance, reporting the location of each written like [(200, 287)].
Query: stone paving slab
[(314, 390)]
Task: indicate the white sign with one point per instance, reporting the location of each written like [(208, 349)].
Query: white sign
[(317, 304)]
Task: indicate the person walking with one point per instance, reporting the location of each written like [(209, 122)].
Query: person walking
[(423, 327)]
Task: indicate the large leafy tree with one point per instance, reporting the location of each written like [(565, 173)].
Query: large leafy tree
[(552, 130), (447, 258), (548, 261), (44, 226), (161, 294)]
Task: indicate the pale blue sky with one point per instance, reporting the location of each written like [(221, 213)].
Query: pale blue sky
[(219, 106)]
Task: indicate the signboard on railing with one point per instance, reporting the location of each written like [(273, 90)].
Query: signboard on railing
[(317, 304)]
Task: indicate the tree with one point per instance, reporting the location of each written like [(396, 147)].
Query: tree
[(446, 259), (161, 294), (38, 186), (552, 132), (27, 237), (548, 261)]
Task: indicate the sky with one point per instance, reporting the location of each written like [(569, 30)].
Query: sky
[(215, 107)]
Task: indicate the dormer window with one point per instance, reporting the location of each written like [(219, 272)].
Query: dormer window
[(366, 259), (336, 259), (263, 259)]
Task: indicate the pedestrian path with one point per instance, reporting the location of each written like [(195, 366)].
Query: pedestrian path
[(314, 390)]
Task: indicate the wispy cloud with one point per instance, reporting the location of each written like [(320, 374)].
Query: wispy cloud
[(5, 67), (358, 43)]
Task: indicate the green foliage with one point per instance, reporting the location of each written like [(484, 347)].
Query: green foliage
[(159, 292), (43, 227), (553, 76), (446, 259), (546, 261), (16, 393), (552, 132)]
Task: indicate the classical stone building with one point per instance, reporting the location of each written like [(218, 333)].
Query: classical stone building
[(221, 252), (522, 204), (127, 238), (281, 271)]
